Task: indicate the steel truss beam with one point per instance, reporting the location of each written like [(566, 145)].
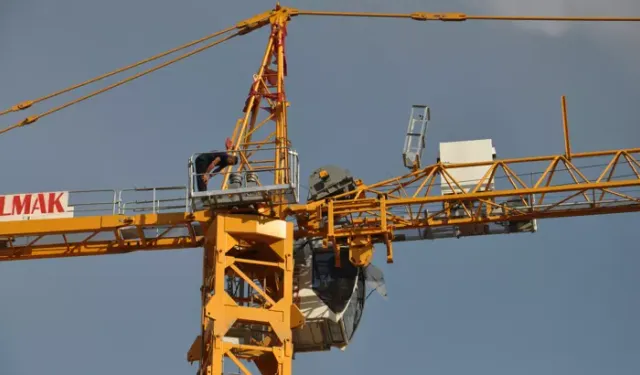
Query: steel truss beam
[(583, 185), (579, 185), (100, 235), (247, 296), (247, 305), (251, 138)]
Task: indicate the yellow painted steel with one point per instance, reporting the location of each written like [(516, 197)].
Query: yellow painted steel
[(267, 93), (565, 127), (377, 209), (259, 252), (278, 19), (258, 249), (90, 248), (51, 238)]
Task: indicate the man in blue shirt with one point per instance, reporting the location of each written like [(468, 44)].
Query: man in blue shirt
[(211, 163)]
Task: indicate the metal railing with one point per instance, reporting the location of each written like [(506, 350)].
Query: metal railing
[(129, 201), (153, 200), (251, 180), (164, 199), (93, 202), (257, 165)]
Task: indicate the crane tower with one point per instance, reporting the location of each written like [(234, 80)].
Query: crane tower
[(280, 276)]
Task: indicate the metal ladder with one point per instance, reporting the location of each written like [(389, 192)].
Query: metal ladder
[(414, 142)]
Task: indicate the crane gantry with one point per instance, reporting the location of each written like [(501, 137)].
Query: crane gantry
[(251, 289)]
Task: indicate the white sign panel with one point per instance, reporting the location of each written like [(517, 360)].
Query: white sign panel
[(461, 152), (50, 205)]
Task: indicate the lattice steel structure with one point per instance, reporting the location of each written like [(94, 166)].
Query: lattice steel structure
[(247, 227)]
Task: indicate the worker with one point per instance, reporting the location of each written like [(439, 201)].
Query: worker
[(212, 163)]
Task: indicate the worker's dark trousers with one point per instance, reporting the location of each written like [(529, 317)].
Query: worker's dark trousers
[(201, 168)]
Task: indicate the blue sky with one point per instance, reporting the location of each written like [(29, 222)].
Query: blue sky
[(562, 301)]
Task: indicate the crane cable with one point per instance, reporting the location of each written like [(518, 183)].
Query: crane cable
[(28, 104), (34, 118), (428, 16), (256, 23)]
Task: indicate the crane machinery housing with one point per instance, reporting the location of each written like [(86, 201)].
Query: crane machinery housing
[(280, 276)]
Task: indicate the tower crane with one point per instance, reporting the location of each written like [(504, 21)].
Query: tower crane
[(280, 276)]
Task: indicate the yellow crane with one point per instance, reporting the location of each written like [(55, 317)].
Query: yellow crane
[(258, 237)]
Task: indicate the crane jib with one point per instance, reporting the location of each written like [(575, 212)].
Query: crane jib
[(273, 287)]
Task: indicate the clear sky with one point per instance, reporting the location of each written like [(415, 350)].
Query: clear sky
[(562, 301)]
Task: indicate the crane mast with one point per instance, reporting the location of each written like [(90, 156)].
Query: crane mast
[(267, 88), (248, 227), (247, 289)]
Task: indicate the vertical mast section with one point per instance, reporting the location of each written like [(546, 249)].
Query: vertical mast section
[(248, 309), (247, 291), (250, 137)]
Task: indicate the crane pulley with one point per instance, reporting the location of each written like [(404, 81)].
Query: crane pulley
[(256, 263)]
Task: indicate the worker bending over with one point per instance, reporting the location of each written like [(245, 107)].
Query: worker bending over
[(212, 163)]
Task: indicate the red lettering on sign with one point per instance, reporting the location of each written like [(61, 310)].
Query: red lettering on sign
[(27, 206), (19, 207), (54, 203), (2, 202), (40, 204)]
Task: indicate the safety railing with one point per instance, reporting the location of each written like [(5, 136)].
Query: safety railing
[(295, 175), (58, 204), (249, 181), (74, 203), (93, 202), (153, 200), (249, 185)]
